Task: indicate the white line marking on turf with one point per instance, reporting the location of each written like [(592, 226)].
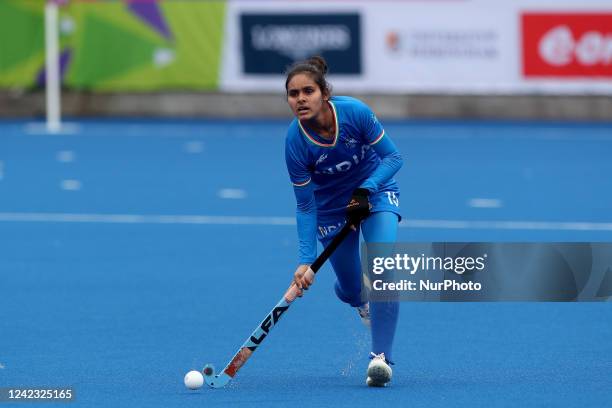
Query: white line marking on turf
[(484, 203), (65, 156), (194, 147), (508, 225), (290, 221), (146, 219), (232, 193), (70, 185)]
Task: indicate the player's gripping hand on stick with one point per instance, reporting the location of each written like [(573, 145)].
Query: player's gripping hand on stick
[(359, 207), (303, 278)]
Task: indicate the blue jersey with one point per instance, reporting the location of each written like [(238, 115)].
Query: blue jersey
[(338, 166), (325, 172)]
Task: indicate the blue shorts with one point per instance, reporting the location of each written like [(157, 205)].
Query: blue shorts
[(386, 200)]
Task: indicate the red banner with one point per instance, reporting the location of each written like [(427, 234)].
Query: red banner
[(567, 45)]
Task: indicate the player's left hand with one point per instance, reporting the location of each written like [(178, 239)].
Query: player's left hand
[(359, 206)]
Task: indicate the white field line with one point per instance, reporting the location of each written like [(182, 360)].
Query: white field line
[(65, 156), (145, 219), (484, 203), (509, 225), (70, 185), (232, 193), (283, 221)]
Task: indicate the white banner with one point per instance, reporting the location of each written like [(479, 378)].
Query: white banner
[(452, 46)]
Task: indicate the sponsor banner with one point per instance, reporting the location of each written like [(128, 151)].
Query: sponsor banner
[(567, 45), (487, 271), (473, 46), (262, 38), (415, 47), (271, 42), (406, 47)]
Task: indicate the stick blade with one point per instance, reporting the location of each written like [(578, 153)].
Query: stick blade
[(217, 381)]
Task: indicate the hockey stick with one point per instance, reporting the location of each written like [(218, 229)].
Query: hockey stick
[(263, 329)]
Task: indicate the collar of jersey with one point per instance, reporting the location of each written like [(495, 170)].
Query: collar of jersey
[(312, 138)]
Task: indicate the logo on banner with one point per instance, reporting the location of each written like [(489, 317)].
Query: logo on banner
[(567, 45), (271, 42), (431, 44)]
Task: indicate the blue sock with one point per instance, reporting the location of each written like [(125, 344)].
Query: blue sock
[(378, 228)]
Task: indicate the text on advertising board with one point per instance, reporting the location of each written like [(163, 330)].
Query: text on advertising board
[(567, 45), (271, 42)]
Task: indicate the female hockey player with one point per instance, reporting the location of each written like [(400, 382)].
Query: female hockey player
[(341, 164)]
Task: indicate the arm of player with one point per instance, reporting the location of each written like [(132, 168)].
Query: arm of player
[(306, 212), (391, 162), (376, 137), (306, 216)]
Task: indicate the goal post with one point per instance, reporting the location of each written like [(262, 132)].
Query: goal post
[(52, 68), (53, 82)]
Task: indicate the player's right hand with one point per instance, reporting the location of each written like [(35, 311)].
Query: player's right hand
[(303, 277)]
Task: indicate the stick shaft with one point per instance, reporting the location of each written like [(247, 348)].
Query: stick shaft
[(316, 265), (272, 318)]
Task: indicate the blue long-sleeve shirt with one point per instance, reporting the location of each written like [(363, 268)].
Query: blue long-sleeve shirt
[(325, 172)]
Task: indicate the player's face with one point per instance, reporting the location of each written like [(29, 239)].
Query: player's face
[(304, 97)]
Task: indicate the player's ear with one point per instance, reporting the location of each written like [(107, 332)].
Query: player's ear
[(325, 94)]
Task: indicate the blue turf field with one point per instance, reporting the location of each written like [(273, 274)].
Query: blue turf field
[(125, 262)]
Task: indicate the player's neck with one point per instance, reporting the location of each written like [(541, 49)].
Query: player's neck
[(324, 124)]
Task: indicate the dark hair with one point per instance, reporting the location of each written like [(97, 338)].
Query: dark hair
[(316, 67)]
